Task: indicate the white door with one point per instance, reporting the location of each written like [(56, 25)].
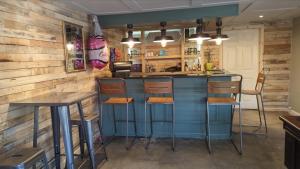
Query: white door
[(241, 55)]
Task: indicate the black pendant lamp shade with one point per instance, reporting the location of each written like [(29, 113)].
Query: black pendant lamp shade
[(219, 37), (199, 36), (163, 38), (130, 40)]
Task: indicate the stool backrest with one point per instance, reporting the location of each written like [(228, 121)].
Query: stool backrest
[(158, 85), (260, 82), (233, 87), (220, 87), (111, 86)]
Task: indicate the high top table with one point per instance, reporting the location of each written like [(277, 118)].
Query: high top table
[(59, 103)]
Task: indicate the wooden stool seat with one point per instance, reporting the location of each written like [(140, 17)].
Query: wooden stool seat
[(250, 92), (221, 100), (119, 100), (160, 100), (23, 158)]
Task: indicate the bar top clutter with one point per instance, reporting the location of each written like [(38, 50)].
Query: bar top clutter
[(135, 75)]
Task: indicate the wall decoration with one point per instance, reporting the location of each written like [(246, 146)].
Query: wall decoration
[(74, 47), (98, 51)]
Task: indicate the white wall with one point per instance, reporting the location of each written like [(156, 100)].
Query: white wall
[(294, 94)]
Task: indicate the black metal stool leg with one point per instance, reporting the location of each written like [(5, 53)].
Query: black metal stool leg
[(127, 127), (259, 113), (173, 127), (264, 114), (114, 118), (134, 118), (101, 118), (231, 122), (56, 134), (241, 129), (100, 132), (151, 121), (134, 125), (81, 141), (145, 132), (35, 128), (151, 126), (208, 129), (101, 139), (89, 141), (35, 125)]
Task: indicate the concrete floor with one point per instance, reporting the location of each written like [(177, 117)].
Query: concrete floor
[(260, 152)]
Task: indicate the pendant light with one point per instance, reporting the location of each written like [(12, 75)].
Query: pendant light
[(199, 36), (219, 37), (130, 40), (163, 39)]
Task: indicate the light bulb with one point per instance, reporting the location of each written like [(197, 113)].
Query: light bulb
[(218, 41), (199, 41), (163, 43), (130, 44), (70, 46), (199, 47)]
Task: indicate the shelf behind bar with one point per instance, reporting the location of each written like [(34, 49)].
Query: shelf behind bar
[(162, 57)]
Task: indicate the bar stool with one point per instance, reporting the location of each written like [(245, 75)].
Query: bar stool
[(258, 93), (113, 91), (225, 93), (88, 121), (159, 90), (23, 158)]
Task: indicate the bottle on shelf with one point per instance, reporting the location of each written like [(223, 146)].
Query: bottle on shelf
[(186, 66)]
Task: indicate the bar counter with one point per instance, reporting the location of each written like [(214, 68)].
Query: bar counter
[(190, 94)]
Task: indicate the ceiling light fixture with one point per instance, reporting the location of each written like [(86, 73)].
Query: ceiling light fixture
[(261, 16), (219, 37), (199, 36), (130, 40), (163, 39)]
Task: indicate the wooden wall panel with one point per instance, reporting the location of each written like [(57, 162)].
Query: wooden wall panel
[(32, 63), (276, 64)]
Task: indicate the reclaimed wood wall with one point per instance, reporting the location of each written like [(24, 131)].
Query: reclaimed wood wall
[(113, 37), (32, 63), (276, 64)]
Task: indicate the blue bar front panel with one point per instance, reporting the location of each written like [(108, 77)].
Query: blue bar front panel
[(190, 112)]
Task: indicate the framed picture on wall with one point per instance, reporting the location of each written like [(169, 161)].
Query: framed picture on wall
[(74, 47)]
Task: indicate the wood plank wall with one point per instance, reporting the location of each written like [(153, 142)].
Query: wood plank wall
[(32, 63), (113, 37), (276, 56)]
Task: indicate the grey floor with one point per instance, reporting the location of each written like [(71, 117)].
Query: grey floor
[(259, 152)]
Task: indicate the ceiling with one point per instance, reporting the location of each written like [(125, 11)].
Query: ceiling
[(249, 9)]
